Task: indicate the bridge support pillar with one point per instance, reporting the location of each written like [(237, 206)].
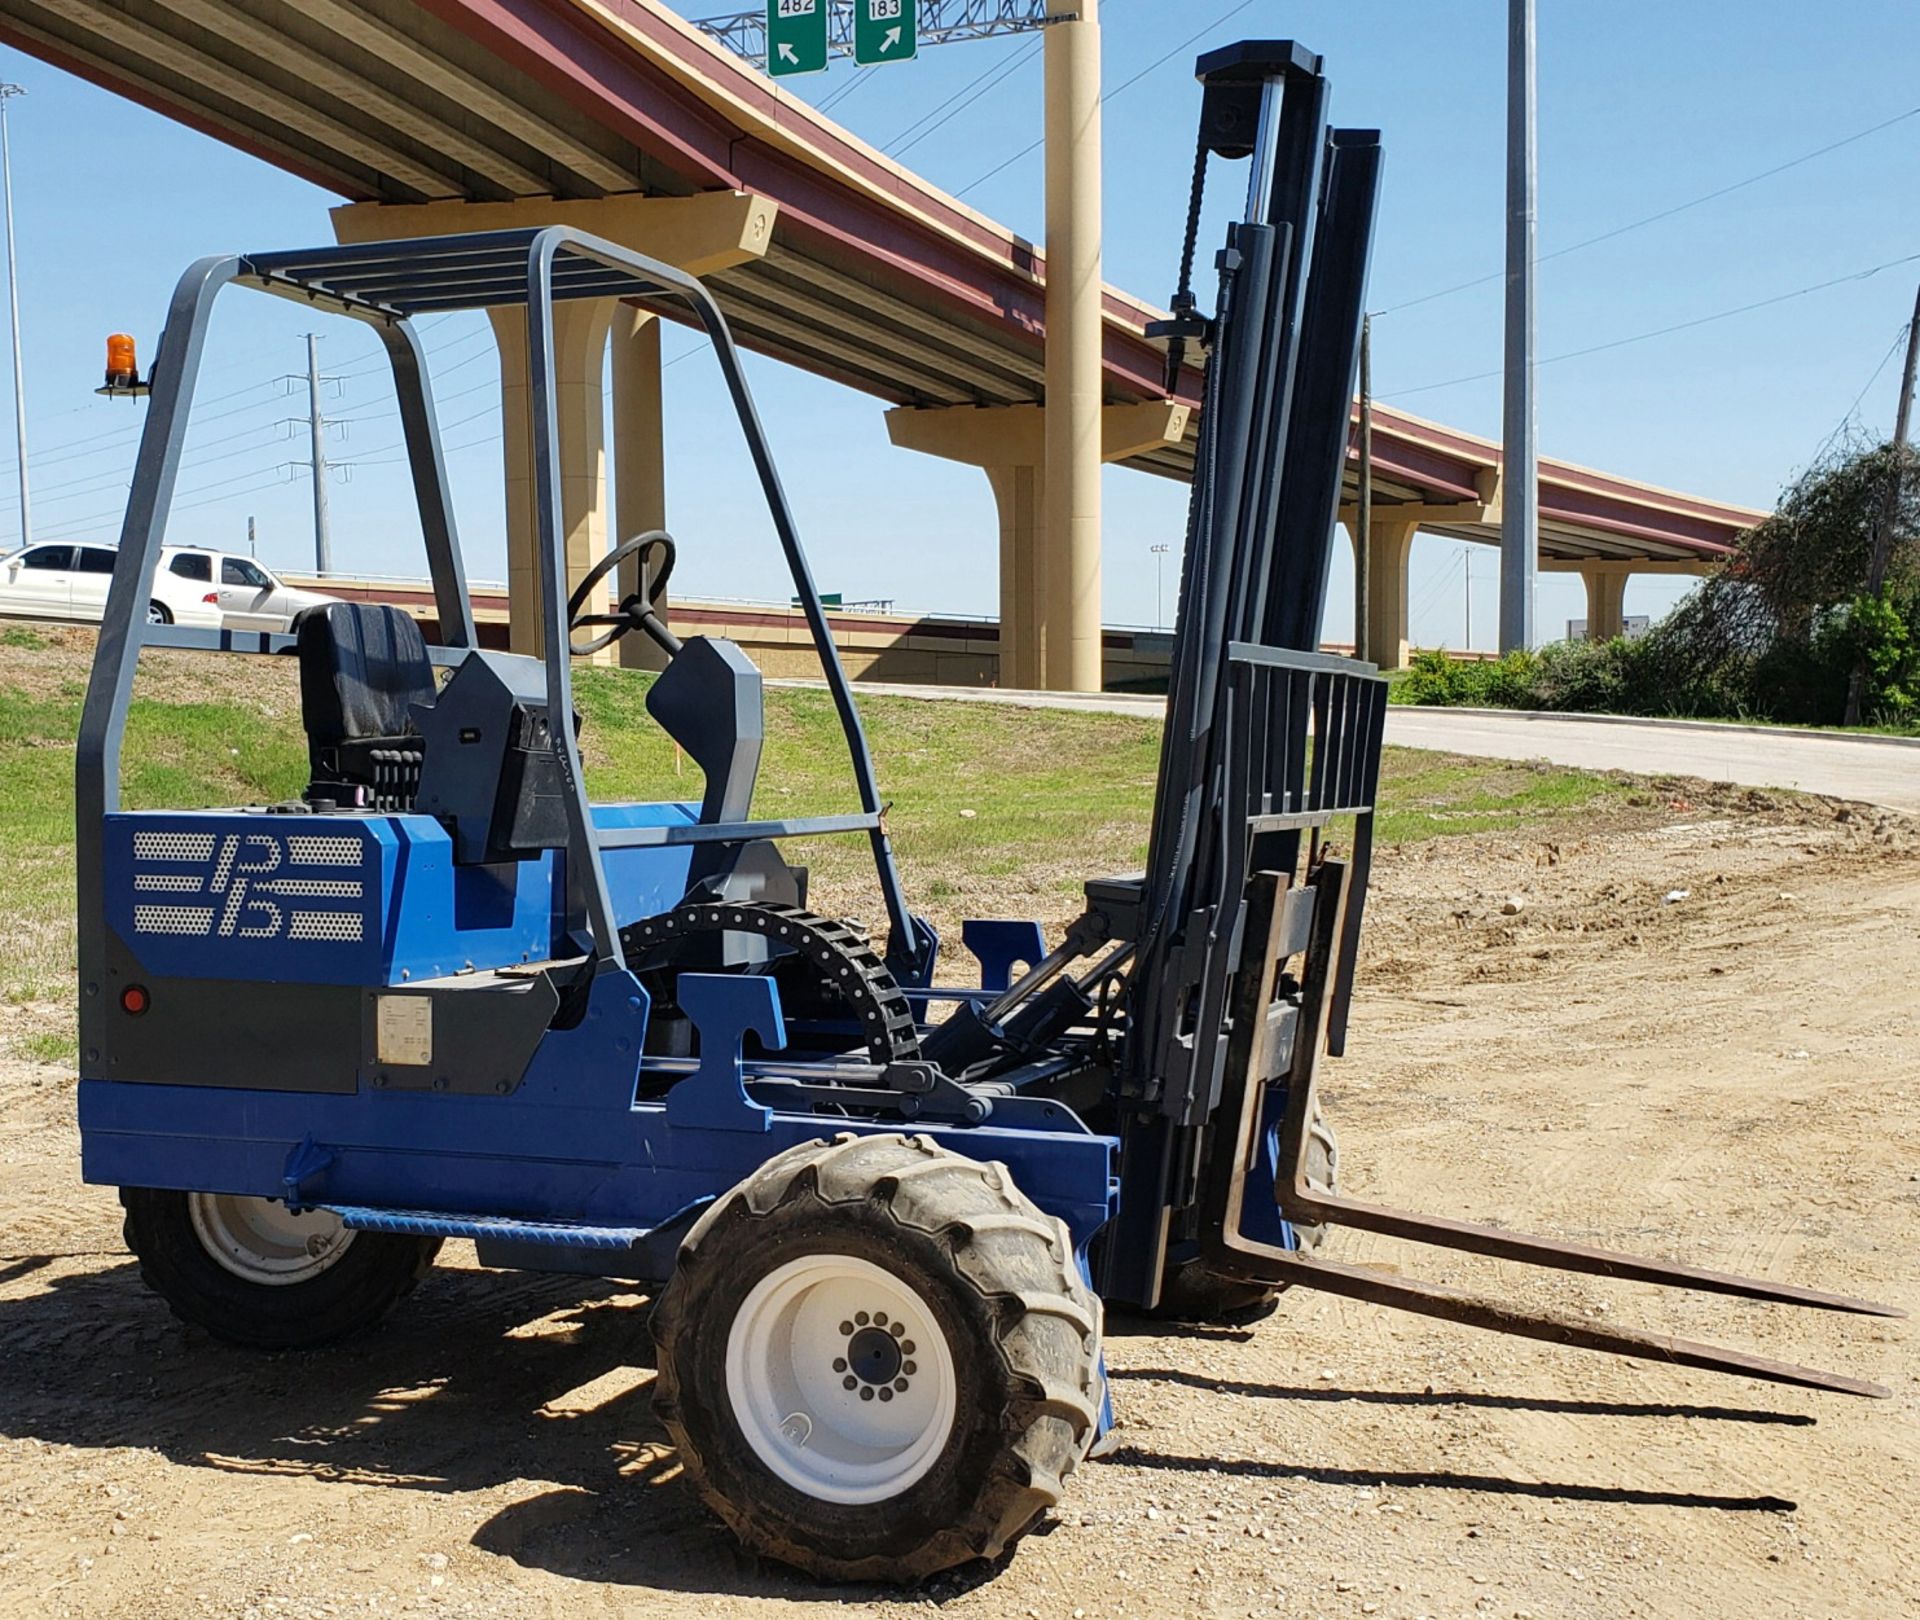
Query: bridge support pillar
[(639, 460), (580, 346), (1021, 494), (1072, 645), (1606, 602), (1389, 549), (701, 234), (1008, 442)]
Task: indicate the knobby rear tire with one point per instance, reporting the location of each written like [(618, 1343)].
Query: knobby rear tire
[(372, 1275)]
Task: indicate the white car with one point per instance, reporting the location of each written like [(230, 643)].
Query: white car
[(193, 586)]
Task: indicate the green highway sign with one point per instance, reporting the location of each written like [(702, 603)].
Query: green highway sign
[(885, 31), (796, 37)]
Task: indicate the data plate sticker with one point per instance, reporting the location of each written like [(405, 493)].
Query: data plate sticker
[(403, 1030)]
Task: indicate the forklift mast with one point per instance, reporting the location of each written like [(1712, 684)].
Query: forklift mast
[(1244, 929), (1238, 783)]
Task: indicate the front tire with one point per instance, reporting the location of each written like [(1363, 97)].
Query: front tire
[(878, 1359), (252, 1272), (1193, 1292)]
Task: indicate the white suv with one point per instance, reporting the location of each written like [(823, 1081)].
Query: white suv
[(192, 586)]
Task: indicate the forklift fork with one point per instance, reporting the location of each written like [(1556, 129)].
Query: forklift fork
[(1276, 1040)]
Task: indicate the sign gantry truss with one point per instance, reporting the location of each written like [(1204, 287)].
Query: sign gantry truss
[(941, 22)]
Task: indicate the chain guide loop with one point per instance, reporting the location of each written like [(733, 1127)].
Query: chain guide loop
[(844, 963)]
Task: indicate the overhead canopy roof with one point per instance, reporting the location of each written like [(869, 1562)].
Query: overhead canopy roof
[(440, 273), (875, 278)]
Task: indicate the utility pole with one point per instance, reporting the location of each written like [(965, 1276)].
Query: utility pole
[(7, 93), (1881, 558), (1363, 522), (1884, 535), (1159, 586), (322, 538), (1520, 459), (1466, 570), (253, 549), (1903, 418)]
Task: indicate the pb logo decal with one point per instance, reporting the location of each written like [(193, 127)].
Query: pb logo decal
[(248, 886)]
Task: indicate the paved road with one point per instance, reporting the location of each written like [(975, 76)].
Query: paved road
[(1879, 771), (1882, 771)]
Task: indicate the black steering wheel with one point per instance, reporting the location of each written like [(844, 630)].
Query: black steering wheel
[(636, 611)]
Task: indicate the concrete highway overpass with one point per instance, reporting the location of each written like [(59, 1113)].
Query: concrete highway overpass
[(457, 115)]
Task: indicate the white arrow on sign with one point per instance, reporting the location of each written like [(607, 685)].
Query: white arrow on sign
[(788, 53), (890, 39)]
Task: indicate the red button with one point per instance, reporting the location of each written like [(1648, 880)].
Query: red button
[(134, 1000)]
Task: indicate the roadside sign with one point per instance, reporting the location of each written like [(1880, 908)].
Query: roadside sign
[(796, 37), (885, 31)]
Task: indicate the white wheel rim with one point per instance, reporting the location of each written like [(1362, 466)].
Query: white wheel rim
[(790, 1365), (262, 1241)]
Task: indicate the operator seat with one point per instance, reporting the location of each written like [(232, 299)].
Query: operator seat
[(363, 668)]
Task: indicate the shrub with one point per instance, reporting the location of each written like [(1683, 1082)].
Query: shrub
[(1430, 679), (1776, 632), (1434, 677)]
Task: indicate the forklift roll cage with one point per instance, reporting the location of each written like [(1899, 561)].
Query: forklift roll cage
[(386, 286)]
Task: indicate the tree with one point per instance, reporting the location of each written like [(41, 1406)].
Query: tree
[(1778, 630)]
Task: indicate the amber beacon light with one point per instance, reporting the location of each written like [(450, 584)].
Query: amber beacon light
[(123, 367)]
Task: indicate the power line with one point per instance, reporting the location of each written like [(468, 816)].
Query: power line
[(1666, 331), (842, 91), (195, 456), (438, 399), (998, 72), (74, 449), (47, 457), (67, 524), (96, 482), (989, 81), (126, 437), (1655, 218), (1840, 427), (1444, 581), (1119, 89), (380, 362)]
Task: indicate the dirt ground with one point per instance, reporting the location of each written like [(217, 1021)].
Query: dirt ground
[(1728, 1077)]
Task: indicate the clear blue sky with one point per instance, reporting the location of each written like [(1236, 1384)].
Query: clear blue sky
[(1642, 106)]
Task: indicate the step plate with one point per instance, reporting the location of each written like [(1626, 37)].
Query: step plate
[(427, 1223)]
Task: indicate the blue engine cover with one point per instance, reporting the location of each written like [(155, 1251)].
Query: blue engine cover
[(350, 899)]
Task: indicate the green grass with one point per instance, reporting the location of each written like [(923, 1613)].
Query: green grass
[(50, 1046), (1425, 795), (994, 811)]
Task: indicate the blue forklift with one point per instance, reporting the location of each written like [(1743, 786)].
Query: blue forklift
[(443, 994)]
